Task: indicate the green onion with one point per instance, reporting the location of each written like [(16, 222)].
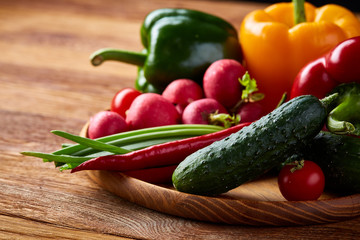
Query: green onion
[(91, 143), (147, 139), (72, 155), (151, 142), (143, 135), (65, 145), (57, 158), (68, 166)]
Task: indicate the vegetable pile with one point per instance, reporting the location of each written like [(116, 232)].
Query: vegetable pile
[(209, 109), (228, 97)]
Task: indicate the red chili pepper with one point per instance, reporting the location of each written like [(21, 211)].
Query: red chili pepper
[(153, 175), (337, 71), (165, 154)]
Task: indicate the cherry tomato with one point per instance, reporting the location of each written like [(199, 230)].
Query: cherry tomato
[(301, 181), (122, 100)]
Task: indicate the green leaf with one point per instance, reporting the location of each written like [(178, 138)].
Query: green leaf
[(224, 119), (249, 84), (256, 97), (68, 166)]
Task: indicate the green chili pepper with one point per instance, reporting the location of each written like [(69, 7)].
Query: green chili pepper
[(345, 117), (179, 43)]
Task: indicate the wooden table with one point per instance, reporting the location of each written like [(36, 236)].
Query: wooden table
[(46, 83)]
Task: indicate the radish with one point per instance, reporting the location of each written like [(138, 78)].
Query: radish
[(181, 92), (221, 82), (106, 123), (180, 108), (250, 111), (123, 99), (151, 110), (199, 111)]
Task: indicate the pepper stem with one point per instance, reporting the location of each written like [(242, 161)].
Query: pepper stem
[(299, 11), (329, 101), (339, 127), (105, 54)]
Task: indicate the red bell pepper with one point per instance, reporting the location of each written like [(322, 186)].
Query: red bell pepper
[(337, 71)]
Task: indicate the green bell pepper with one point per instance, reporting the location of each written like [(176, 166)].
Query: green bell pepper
[(345, 117), (179, 43), (143, 85)]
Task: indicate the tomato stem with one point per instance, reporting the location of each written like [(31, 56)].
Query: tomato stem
[(298, 165)]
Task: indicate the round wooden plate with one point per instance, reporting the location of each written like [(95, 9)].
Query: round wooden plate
[(257, 203)]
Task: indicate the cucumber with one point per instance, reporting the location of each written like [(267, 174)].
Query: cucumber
[(339, 158), (255, 149)]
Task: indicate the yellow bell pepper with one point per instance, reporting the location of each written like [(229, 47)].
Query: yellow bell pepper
[(275, 48)]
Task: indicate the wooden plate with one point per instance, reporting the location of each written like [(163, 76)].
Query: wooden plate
[(257, 203)]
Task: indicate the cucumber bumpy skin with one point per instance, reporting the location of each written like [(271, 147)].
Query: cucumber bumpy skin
[(255, 149)]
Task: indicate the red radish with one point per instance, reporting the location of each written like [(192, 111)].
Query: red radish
[(123, 99), (221, 82), (106, 123), (198, 112), (180, 108), (250, 112), (182, 92), (151, 110)]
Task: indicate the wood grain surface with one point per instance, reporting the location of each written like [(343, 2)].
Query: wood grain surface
[(46, 83), (257, 203)]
